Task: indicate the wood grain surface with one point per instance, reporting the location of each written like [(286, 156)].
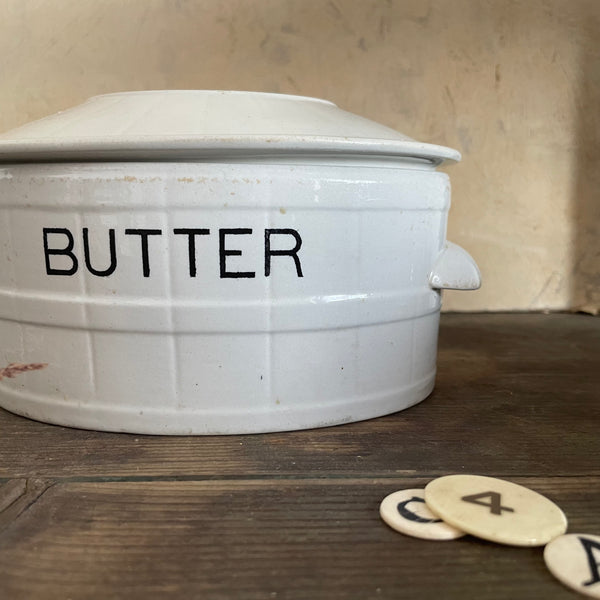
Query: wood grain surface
[(295, 515)]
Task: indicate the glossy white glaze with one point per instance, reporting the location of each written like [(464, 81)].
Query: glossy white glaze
[(201, 124), (222, 296)]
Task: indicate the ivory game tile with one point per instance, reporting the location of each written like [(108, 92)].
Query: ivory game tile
[(574, 559), (495, 509), (406, 512)]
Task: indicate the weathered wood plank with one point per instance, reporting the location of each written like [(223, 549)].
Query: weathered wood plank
[(11, 491), (262, 539), (515, 395), (17, 495)]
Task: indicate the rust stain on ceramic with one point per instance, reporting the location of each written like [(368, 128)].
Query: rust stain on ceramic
[(14, 369)]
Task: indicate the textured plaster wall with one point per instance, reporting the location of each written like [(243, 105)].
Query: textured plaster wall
[(513, 84)]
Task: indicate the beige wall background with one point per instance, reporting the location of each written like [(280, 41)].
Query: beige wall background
[(513, 84)]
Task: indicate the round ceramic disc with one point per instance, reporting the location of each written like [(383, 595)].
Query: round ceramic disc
[(406, 512), (574, 559), (495, 509)]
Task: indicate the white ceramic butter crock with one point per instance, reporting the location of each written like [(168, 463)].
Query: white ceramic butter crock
[(202, 262)]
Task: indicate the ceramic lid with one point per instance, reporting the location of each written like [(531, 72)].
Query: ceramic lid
[(195, 124)]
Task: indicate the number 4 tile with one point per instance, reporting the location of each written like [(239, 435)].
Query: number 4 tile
[(495, 509)]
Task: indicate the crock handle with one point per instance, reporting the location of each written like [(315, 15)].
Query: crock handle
[(454, 269)]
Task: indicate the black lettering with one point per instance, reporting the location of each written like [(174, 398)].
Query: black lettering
[(67, 251), (292, 252), (144, 233), (411, 516), (494, 504), (589, 546), (191, 233), (224, 253), (113, 254)]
